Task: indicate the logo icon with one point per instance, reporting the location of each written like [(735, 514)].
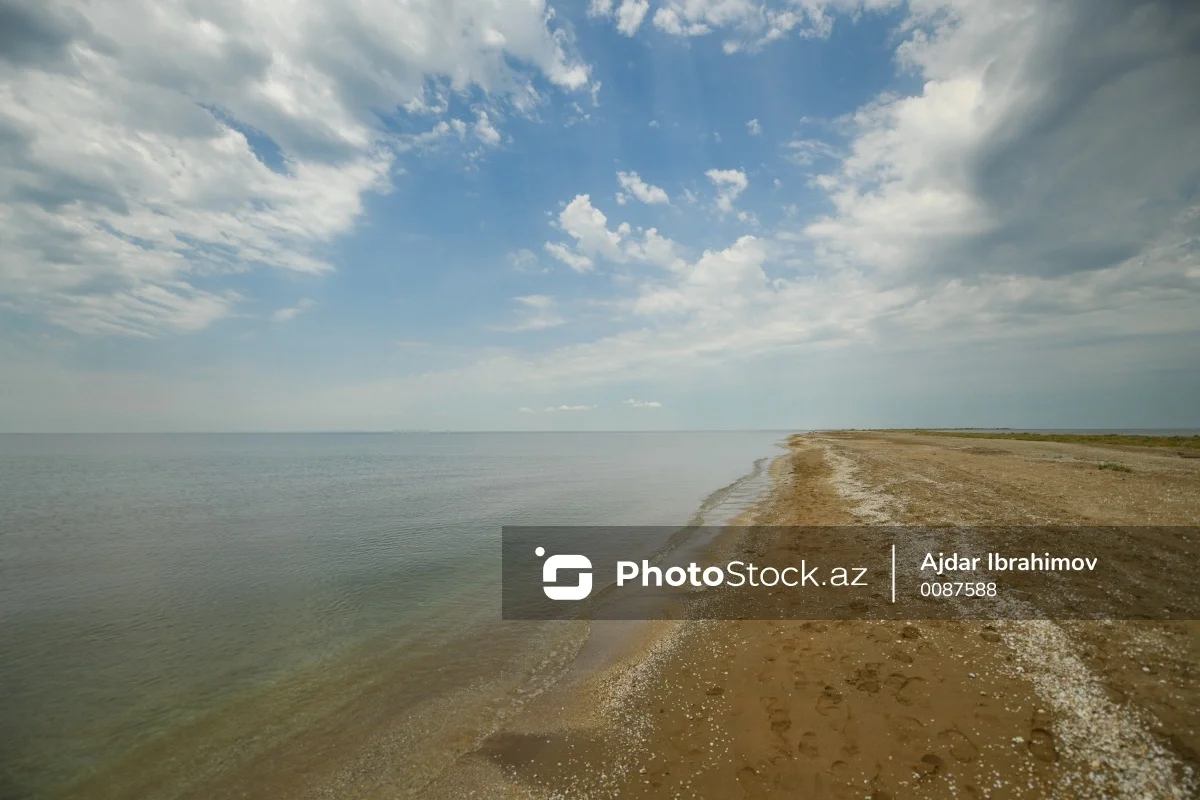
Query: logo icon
[(550, 575)]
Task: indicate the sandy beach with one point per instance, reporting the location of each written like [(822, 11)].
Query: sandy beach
[(889, 709)]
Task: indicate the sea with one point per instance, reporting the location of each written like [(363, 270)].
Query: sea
[(203, 615)]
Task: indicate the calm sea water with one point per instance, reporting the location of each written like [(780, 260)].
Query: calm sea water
[(173, 607)]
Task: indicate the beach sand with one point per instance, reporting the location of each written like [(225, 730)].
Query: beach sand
[(888, 709)]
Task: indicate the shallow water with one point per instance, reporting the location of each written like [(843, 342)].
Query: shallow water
[(175, 609)]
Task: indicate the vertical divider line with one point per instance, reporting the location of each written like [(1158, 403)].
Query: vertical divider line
[(893, 573)]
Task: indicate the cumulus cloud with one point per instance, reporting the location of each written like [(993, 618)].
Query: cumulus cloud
[(576, 261), (726, 280), (288, 314), (647, 193), (655, 249), (628, 15), (485, 131), (150, 149), (589, 227), (753, 127), (1020, 156), (642, 403), (730, 183)]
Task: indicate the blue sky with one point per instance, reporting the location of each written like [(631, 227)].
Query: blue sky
[(626, 215)]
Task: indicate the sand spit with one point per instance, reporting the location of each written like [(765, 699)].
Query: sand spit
[(1109, 747), (889, 709), (868, 504)]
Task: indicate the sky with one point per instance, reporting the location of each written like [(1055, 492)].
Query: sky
[(606, 215)]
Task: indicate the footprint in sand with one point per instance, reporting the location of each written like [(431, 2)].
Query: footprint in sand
[(808, 744), (781, 721), (829, 700), (960, 747), (906, 729), (1041, 744), (930, 765), (913, 691), (752, 784), (866, 679)]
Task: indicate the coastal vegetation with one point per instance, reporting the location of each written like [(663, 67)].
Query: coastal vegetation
[(1110, 439)]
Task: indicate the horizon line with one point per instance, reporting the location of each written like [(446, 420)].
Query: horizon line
[(396, 431)]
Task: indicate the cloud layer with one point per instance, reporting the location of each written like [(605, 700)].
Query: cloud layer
[(147, 148), (1031, 176)]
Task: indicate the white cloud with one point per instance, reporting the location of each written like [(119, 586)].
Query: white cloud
[(730, 183), (642, 403), (600, 8), (589, 227), (142, 311), (753, 23), (754, 127), (630, 16), (484, 130), (655, 249), (153, 148), (424, 140), (554, 409), (288, 314), (806, 152), (647, 193), (726, 280), (576, 261), (1016, 157)]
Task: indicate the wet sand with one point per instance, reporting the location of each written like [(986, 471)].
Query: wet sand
[(864, 709)]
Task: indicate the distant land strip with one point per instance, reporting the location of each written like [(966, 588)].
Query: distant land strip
[(1121, 439)]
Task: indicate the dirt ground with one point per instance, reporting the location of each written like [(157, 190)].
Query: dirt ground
[(893, 709)]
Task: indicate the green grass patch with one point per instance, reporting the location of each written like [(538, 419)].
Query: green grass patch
[(1115, 467), (1191, 442)]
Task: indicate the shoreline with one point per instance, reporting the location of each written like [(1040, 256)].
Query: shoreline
[(614, 662), (860, 708)]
